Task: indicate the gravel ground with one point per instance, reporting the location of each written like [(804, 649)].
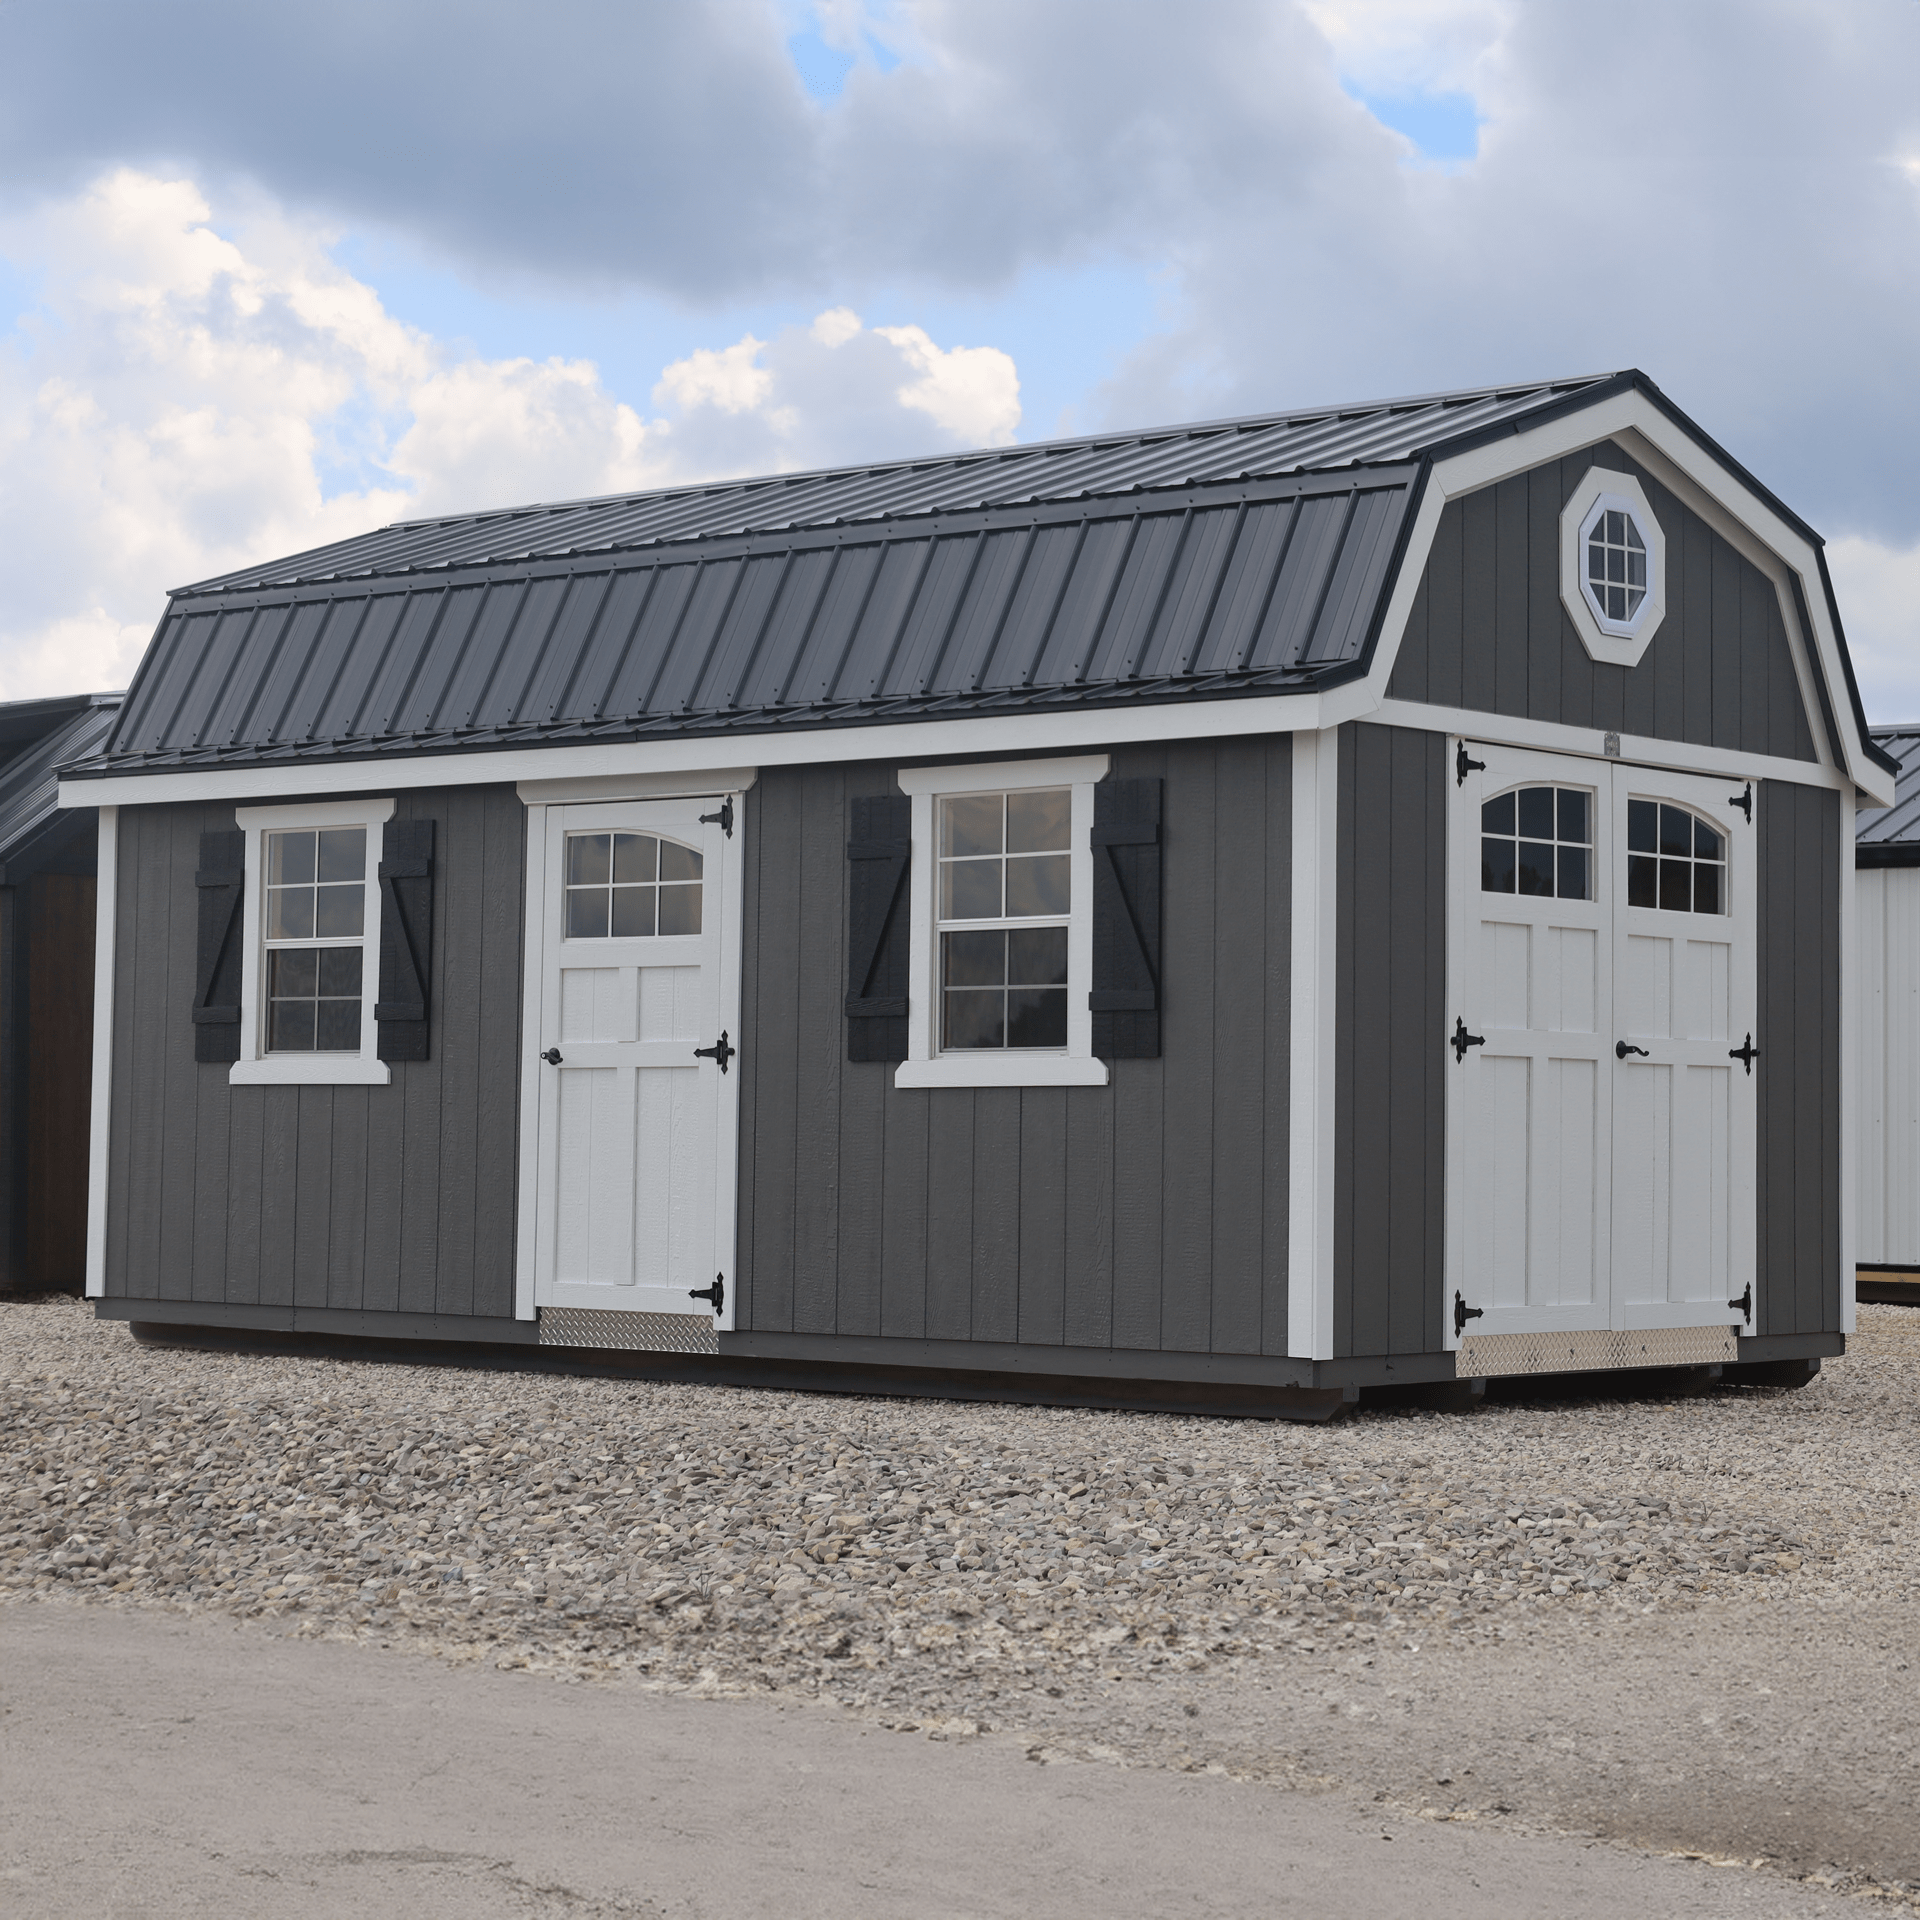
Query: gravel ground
[(894, 1549)]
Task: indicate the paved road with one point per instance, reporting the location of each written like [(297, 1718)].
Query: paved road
[(157, 1767)]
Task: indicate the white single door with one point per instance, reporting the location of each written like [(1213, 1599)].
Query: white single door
[(1601, 1099), (637, 1030), (1528, 1060), (1684, 1107)]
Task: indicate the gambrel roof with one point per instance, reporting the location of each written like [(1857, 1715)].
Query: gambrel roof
[(1890, 836), (1236, 558)]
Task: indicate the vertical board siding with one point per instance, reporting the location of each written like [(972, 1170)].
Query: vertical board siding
[(1888, 900), (1389, 1026), (376, 1199), (1149, 1214), (1798, 1072), (1488, 630)]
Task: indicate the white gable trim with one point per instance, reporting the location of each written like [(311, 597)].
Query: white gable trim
[(1726, 502)]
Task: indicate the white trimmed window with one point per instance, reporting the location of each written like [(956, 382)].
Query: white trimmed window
[(1613, 558), (1001, 892), (311, 966)]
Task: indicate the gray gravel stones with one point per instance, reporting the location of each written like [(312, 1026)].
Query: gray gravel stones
[(919, 1554)]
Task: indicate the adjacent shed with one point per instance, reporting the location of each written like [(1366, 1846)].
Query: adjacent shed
[(1271, 909), (1887, 854), (46, 990)]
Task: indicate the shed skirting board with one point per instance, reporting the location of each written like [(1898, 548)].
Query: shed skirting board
[(627, 1332), (1591, 1352), (335, 1320)]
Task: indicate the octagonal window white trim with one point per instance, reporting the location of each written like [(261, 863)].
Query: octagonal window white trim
[(1620, 642)]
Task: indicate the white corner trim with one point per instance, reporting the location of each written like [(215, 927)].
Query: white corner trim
[(1001, 1069), (636, 786), (532, 966), (1621, 643), (1849, 1079), (99, 1114), (256, 1067), (1001, 776), (1310, 1120)]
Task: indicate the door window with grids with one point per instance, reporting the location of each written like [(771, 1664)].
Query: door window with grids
[(1538, 840), (1676, 863), (631, 886), (316, 917), (1003, 906)]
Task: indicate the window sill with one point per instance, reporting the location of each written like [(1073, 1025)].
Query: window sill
[(310, 1070), (1001, 1070)]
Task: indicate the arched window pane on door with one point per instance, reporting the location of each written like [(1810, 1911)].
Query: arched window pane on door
[(1676, 863), (631, 886), (1539, 841)]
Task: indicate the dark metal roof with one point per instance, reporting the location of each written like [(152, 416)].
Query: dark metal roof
[(1890, 836), (1317, 440), (69, 729)]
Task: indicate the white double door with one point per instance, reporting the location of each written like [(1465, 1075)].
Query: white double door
[(1601, 1119), (634, 1041)]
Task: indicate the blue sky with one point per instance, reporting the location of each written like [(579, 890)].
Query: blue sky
[(654, 243)]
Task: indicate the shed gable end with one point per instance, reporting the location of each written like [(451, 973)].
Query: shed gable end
[(1489, 630)]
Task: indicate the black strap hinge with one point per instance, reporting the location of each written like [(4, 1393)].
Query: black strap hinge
[(717, 1293), (1744, 801), (721, 1051), (1746, 1053), (1744, 1305), (723, 818), (1462, 1313), (1462, 1040), (1462, 766)]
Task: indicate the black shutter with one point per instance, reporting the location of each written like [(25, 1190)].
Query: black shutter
[(877, 929), (1126, 920), (221, 881), (406, 938)]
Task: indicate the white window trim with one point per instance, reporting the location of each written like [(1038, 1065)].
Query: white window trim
[(1618, 642), (925, 1065), (256, 1067)]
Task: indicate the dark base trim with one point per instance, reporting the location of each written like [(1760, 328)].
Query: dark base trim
[(1793, 1346), (1888, 1286), (331, 1320)]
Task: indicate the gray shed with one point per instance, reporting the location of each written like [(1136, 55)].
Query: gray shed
[(1257, 911)]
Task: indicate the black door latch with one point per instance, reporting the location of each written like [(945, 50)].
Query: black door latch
[(719, 1051), (1462, 1040), (1744, 801), (551, 1056), (1745, 1303), (1462, 766), (717, 1293), (723, 819), (1747, 1053), (1462, 1313), (1622, 1048)]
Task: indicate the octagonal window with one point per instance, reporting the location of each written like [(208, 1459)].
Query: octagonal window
[(1616, 563)]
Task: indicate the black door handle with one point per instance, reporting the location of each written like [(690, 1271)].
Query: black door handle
[(1621, 1049), (1462, 1040), (551, 1056)]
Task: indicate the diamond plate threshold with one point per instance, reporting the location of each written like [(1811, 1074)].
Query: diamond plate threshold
[(628, 1332), (1486, 1355)]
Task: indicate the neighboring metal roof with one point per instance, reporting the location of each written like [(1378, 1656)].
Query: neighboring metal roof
[(1890, 836), (1317, 440), (29, 790)]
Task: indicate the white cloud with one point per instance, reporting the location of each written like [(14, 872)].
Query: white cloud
[(183, 400), (1878, 588)]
